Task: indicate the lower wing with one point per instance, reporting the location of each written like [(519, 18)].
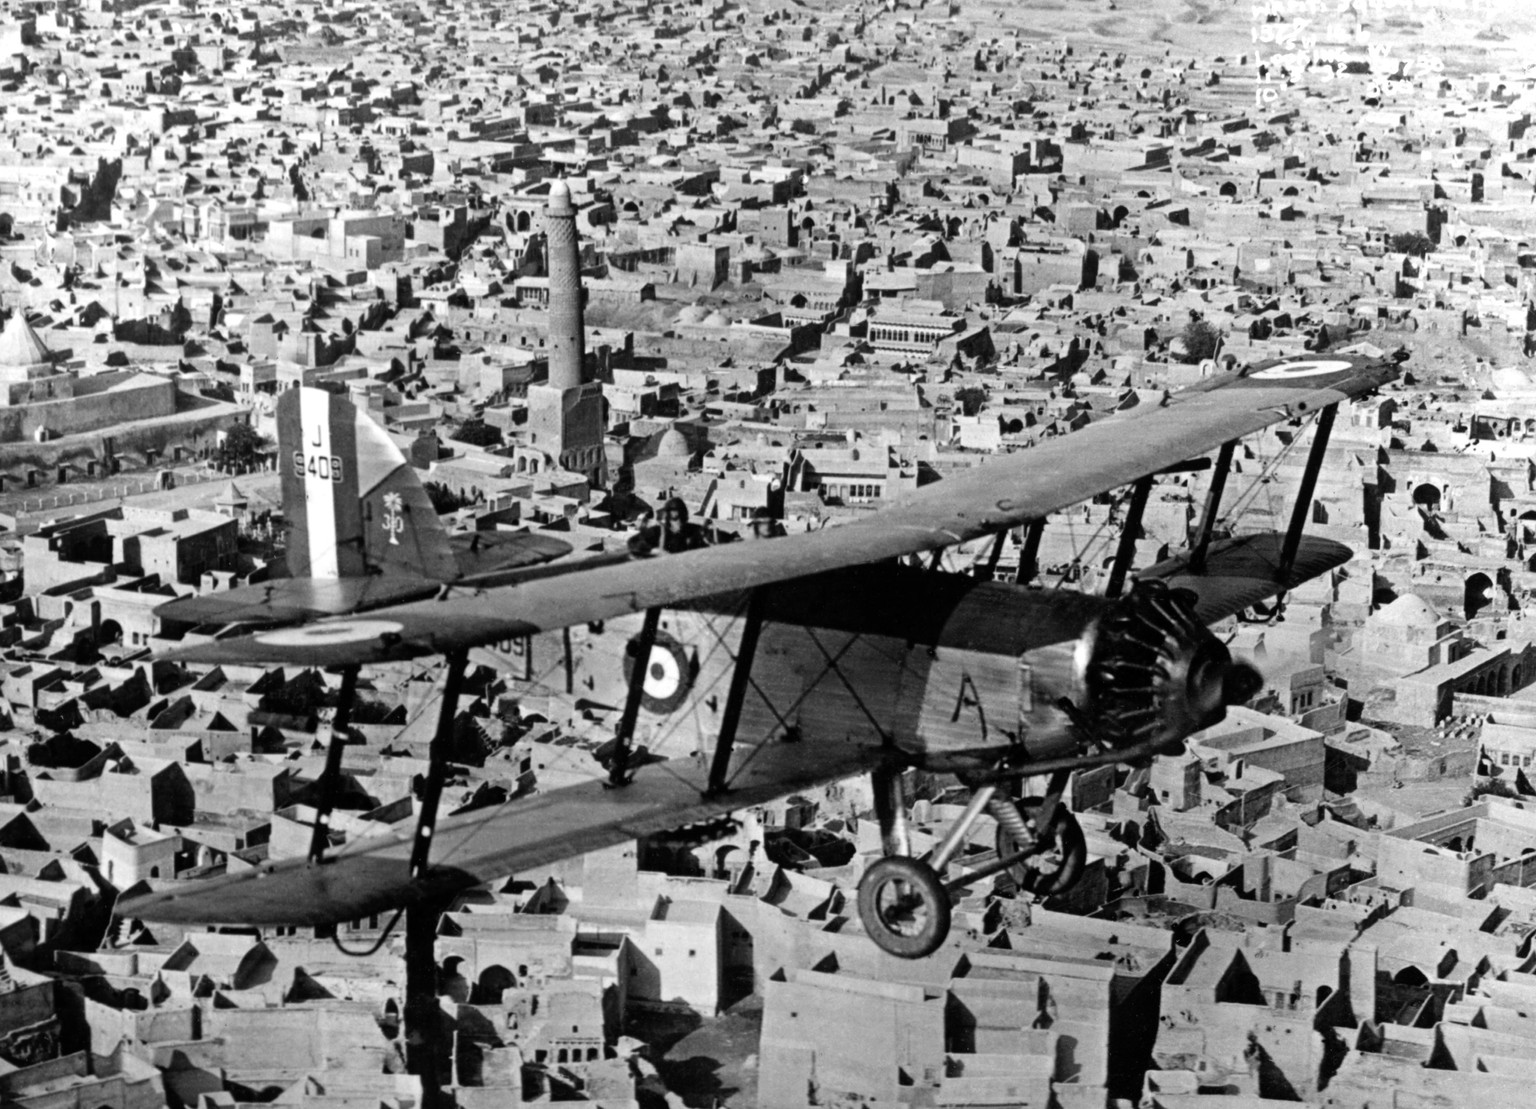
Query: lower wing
[(372, 875)]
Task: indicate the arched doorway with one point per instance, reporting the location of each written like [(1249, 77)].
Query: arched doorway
[(725, 857), (454, 983), (494, 981), (1478, 594)]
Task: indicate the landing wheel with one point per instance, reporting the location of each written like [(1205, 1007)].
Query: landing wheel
[(904, 906), (1058, 853)]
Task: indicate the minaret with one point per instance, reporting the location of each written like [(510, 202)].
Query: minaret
[(566, 420), (567, 339)]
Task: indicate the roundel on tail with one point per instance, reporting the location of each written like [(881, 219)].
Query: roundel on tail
[(669, 673)]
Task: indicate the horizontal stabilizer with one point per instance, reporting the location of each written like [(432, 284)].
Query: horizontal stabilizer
[(372, 875), (294, 600), (480, 553)]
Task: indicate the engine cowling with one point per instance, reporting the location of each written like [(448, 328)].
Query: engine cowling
[(1151, 672)]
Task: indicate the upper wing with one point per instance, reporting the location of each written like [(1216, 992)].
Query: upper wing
[(1003, 493)]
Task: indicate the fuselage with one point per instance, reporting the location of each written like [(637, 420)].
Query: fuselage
[(931, 662)]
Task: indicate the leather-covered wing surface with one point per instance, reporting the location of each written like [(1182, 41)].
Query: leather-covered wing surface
[(372, 875), (1001, 493)]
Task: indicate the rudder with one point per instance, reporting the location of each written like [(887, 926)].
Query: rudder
[(354, 504)]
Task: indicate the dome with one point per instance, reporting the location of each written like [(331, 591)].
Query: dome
[(22, 353), (715, 319), (694, 313), (673, 444), (1409, 611)]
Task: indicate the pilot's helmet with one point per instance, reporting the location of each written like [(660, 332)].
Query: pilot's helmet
[(675, 508)]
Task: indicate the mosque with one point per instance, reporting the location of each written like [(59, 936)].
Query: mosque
[(1412, 661), (42, 399)]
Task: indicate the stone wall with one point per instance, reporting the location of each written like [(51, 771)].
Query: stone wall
[(117, 399), (131, 445)]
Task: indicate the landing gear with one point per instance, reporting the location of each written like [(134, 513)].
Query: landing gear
[(902, 901), (904, 906), (1050, 860)]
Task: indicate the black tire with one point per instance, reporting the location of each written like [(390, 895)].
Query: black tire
[(1063, 840), (904, 907)]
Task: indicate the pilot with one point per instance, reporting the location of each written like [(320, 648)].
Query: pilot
[(671, 533), (764, 526)]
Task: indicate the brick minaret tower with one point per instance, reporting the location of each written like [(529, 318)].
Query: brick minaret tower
[(567, 339), (565, 416)]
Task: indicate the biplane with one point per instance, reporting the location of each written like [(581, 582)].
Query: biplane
[(734, 674)]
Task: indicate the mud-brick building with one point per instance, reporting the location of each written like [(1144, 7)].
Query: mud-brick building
[(29, 1021), (1410, 662), (1449, 857)]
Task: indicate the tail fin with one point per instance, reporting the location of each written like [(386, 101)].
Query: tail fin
[(353, 504)]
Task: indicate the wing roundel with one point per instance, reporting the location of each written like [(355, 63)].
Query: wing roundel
[(669, 673)]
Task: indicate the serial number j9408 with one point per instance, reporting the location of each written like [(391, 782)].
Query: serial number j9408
[(319, 466)]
